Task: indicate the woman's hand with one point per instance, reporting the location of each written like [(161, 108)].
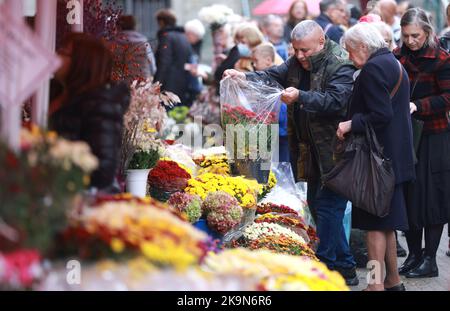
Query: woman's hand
[(343, 128), (234, 74), (412, 108), (290, 95)]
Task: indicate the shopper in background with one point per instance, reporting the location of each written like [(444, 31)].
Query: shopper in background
[(428, 207), (297, 12), (173, 53), (133, 55), (91, 107), (332, 16)]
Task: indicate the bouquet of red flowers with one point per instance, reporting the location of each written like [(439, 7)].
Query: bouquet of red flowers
[(240, 115), (165, 178)]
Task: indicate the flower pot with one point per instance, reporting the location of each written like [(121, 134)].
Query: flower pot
[(137, 182)]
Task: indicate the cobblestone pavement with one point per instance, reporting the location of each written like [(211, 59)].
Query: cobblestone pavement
[(441, 283)]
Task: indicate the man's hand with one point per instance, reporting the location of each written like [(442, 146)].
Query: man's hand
[(290, 95), (234, 74), (343, 128), (412, 108)]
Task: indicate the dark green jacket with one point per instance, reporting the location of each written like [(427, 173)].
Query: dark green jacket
[(313, 120)]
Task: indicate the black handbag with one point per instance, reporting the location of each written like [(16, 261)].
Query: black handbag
[(363, 175)]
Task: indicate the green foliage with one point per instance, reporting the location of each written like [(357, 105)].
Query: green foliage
[(144, 159)]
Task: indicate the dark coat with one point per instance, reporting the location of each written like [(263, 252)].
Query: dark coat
[(96, 117), (334, 32), (174, 51), (390, 118)]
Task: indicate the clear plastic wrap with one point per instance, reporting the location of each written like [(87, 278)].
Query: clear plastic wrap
[(287, 192), (249, 112)]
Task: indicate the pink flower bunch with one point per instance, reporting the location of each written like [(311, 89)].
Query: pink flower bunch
[(190, 204), (223, 211)]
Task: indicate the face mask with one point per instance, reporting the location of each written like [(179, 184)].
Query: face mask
[(244, 50)]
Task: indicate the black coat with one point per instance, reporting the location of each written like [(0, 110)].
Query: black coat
[(174, 51), (391, 119), (96, 117)]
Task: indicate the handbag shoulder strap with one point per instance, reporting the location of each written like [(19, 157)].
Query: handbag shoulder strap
[(400, 78), (372, 141)]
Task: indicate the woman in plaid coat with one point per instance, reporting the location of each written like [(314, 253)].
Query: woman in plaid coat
[(428, 208)]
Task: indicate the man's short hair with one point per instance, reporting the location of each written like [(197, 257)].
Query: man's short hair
[(326, 4), (304, 28), (126, 22), (265, 49)]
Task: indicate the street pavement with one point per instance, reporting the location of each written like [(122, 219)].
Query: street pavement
[(440, 283)]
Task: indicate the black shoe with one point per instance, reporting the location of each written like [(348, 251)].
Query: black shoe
[(410, 263), (397, 288), (401, 252), (350, 276), (427, 269)]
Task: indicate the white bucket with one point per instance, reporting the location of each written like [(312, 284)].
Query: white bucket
[(137, 182)]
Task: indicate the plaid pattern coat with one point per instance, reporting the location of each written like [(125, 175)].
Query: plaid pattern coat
[(429, 75)]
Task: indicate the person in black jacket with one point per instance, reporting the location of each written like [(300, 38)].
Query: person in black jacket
[(381, 98), (91, 107), (173, 53)]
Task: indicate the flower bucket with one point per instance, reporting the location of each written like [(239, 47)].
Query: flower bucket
[(137, 182)]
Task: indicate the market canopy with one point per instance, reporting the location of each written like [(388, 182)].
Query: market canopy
[(281, 7)]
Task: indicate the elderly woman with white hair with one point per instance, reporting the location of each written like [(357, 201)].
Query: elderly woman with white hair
[(195, 31), (381, 99)]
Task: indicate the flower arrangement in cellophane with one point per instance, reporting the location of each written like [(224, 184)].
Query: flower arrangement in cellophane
[(274, 237), (144, 119), (276, 271), (132, 227), (244, 190), (38, 186), (287, 217), (222, 211)]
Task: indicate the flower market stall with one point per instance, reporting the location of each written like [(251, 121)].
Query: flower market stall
[(196, 227)]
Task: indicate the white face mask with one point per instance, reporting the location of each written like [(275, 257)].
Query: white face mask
[(244, 50)]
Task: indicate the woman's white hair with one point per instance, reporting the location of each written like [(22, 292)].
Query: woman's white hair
[(366, 34), (196, 27)]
